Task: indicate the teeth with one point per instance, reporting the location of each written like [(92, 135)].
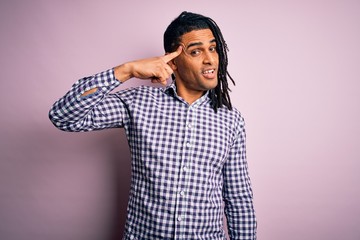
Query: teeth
[(209, 71)]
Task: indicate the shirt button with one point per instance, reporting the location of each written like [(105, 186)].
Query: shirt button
[(179, 218), (185, 168), (188, 144), (182, 193), (189, 125)]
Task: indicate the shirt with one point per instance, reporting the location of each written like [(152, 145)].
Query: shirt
[(188, 162)]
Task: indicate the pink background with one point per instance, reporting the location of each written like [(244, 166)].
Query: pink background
[(297, 68)]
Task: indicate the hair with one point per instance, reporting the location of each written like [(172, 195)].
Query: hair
[(187, 22)]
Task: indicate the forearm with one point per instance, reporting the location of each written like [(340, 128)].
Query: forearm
[(241, 218), (72, 112), (239, 208), (156, 69), (122, 73)]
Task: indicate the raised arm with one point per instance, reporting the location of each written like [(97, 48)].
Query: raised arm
[(155, 69), (90, 106)]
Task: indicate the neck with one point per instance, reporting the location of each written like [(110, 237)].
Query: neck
[(190, 96)]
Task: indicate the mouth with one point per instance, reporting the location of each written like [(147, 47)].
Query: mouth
[(209, 73)]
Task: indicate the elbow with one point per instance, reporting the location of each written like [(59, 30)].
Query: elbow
[(67, 124), (59, 123)]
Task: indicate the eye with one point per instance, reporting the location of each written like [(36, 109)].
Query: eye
[(212, 49), (195, 52)]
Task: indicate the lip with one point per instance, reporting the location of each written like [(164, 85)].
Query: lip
[(207, 69), (209, 75)]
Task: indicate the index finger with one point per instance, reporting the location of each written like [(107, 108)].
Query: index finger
[(170, 56)]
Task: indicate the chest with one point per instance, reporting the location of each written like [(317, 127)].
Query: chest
[(172, 131)]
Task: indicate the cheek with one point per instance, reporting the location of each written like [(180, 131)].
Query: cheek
[(180, 64), (184, 68), (189, 66)]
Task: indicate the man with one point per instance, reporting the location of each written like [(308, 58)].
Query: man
[(187, 142)]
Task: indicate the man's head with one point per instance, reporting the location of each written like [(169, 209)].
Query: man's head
[(189, 28)]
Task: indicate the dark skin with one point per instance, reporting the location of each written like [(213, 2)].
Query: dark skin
[(194, 63), (156, 69)]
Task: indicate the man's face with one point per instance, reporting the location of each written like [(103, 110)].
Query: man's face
[(196, 69)]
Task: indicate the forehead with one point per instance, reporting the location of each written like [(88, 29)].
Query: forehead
[(202, 35)]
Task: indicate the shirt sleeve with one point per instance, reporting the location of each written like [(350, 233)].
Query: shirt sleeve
[(99, 110), (237, 191)]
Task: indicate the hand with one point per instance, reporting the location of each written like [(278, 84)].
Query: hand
[(155, 68)]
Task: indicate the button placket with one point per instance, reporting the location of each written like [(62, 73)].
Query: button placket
[(184, 171)]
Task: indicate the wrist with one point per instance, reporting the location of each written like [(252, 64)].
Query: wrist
[(123, 72)]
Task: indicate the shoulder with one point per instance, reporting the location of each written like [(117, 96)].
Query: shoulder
[(234, 115), (238, 116), (233, 120)]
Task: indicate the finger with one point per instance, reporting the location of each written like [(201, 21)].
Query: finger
[(170, 56), (169, 70), (164, 73), (161, 75), (162, 81)]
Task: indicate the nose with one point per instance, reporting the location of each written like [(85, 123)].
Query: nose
[(209, 57)]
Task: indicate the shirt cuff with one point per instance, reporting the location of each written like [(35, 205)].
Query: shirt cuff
[(105, 82)]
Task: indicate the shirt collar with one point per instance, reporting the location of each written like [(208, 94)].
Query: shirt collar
[(171, 90)]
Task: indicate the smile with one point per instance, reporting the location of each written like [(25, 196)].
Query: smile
[(209, 74), (208, 71)]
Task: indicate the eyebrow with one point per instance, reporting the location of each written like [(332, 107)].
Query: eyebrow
[(199, 43)]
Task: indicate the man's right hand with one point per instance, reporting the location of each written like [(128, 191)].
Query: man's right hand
[(156, 68)]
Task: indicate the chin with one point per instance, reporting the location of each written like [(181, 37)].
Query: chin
[(213, 85), (208, 84)]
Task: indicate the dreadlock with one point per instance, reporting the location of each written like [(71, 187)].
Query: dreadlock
[(187, 22)]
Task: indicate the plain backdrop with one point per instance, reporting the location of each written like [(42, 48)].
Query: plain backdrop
[(296, 66)]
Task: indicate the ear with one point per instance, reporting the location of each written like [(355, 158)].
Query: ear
[(173, 65)]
